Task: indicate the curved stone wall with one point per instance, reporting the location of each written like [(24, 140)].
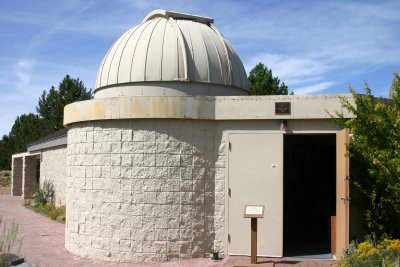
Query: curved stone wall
[(144, 190)]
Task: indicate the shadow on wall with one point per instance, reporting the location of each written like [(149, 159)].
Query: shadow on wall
[(197, 163)]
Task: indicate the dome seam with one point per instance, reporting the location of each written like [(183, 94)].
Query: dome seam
[(162, 51), (191, 54), (179, 35), (234, 61), (112, 58), (147, 49), (123, 50), (104, 60), (228, 60), (207, 55), (134, 50), (219, 58)]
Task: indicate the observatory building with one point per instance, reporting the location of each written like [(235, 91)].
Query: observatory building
[(160, 164)]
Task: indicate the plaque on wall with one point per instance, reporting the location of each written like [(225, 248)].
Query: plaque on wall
[(282, 108)]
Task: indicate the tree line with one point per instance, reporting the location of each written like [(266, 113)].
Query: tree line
[(47, 119)]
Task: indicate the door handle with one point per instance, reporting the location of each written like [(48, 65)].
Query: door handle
[(345, 198)]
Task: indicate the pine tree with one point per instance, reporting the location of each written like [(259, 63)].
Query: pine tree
[(51, 104), (262, 82), (30, 127)]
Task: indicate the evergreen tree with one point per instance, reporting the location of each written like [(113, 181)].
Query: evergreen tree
[(26, 129), (5, 153), (262, 82), (30, 127), (51, 104)]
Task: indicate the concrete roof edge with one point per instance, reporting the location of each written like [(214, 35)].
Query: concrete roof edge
[(55, 142), (204, 108)]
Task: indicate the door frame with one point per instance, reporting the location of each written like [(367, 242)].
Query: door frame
[(342, 193), (342, 237)]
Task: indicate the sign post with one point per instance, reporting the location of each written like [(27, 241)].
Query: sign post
[(254, 212)]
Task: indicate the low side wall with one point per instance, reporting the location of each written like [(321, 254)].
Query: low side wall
[(53, 168)]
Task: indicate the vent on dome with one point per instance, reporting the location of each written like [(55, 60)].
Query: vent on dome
[(175, 15)]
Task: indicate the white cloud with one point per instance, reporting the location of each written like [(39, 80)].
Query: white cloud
[(291, 69), (314, 88), (23, 70), (338, 33)]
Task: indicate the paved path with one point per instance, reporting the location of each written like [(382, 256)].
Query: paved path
[(43, 244)]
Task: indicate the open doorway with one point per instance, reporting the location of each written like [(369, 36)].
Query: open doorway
[(309, 194)]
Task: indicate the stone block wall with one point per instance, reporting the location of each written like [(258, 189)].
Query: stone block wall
[(53, 168), (145, 190)]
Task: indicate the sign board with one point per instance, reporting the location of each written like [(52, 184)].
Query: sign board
[(282, 108), (253, 211)]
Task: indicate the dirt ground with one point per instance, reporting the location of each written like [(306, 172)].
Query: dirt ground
[(5, 182)]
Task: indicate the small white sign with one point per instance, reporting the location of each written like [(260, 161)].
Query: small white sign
[(253, 211), (256, 210)]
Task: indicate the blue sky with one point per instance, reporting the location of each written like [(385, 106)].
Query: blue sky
[(318, 47)]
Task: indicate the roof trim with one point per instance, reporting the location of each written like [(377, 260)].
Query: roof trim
[(58, 138), (205, 108), (175, 15)]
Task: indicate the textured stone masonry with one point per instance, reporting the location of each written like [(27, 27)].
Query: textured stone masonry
[(144, 190), (53, 168), (148, 190)]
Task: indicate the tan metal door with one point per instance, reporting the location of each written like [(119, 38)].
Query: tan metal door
[(255, 177), (342, 192)]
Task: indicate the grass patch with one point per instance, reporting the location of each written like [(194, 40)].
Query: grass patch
[(8, 240), (48, 210), (43, 202)]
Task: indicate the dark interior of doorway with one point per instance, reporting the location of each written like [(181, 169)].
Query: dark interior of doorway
[(309, 194), (38, 171)]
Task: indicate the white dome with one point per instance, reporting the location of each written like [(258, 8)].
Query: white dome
[(176, 50)]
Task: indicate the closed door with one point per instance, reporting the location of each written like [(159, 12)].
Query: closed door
[(255, 177)]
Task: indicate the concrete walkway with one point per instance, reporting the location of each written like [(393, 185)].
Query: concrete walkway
[(43, 244)]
